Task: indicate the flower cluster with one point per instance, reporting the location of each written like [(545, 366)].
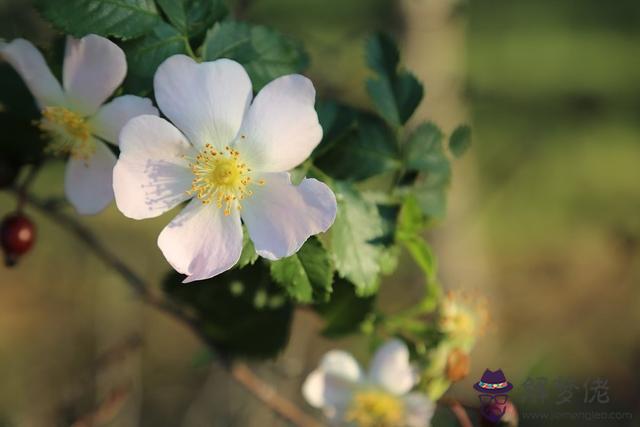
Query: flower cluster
[(227, 155)]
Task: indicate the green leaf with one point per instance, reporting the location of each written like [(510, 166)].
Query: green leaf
[(240, 312), (395, 94), (382, 54), (424, 153), (460, 140), (336, 119), (305, 274), (249, 254), (423, 150), (411, 220), (125, 19), (397, 97), (354, 231), (193, 17), (265, 53), (431, 199), (345, 311), (369, 148), (145, 54)]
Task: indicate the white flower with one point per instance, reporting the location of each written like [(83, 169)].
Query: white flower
[(74, 117), (230, 157), (381, 398)]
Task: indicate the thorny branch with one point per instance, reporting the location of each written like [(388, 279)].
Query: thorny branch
[(239, 371)]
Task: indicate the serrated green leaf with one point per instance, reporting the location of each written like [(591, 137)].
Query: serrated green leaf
[(345, 311), (193, 17), (336, 119), (382, 54), (145, 54), (249, 254), (265, 53), (432, 200), (460, 140), (354, 231), (423, 149), (305, 274), (424, 153), (369, 148), (395, 94), (240, 311), (124, 19), (396, 97)]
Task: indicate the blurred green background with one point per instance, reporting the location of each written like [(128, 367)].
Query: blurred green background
[(544, 216)]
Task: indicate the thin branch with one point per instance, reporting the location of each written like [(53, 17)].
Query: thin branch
[(240, 372), (270, 397), (459, 411)]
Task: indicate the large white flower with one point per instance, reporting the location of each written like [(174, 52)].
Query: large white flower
[(230, 157), (381, 398), (73, 115)]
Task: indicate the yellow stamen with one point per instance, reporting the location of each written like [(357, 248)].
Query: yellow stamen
[(69, 133), (222, 177), (376, 408)]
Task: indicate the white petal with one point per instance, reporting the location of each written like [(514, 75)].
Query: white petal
[(152, 175), (391, 368), (419, 410), (205, 101), (280, 217), (93, 68), (88, 183), (331, 385), (30, 64), (201, 241), (281, 128), (342, 364), (111, 117)]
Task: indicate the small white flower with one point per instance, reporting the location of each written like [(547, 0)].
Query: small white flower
[(381, 398), (74, 118), (230, 157)]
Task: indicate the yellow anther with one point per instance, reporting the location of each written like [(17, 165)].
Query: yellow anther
[(376, 408), (220, 177), (68, 132)]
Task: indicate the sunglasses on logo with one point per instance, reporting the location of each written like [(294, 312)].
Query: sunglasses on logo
[(487, 399)]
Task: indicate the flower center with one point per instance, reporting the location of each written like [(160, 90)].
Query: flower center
[(69, 133), (222, 177), (376, 408)]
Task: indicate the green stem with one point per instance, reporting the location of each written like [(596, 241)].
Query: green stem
[(188, 48)]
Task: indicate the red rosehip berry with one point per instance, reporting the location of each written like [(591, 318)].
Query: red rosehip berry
[(17, 235)]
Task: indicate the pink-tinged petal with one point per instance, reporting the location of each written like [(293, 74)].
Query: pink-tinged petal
[(93, 68), (205, 101), (152, 174), (281, 128), (201, 241), (111, 117), (88, 183), (391, 368), (280, 216), (31, 66)]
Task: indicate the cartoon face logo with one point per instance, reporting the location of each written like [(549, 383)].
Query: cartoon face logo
[(493, 388)]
